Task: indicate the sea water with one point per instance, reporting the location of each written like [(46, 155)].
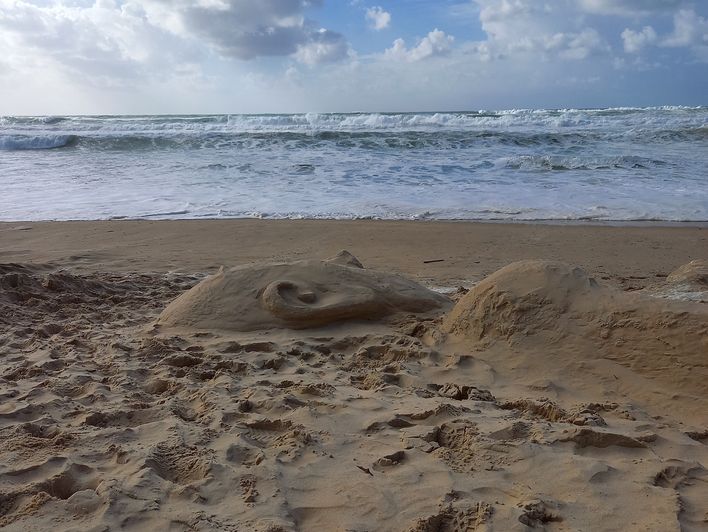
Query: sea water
[(566, 164)]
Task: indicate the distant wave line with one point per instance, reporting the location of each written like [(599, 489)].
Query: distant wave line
[(126, 141)]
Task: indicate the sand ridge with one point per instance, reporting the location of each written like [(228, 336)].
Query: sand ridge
[(513, 411)]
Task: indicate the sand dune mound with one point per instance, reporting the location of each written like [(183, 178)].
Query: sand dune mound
[(553, 317), (524, 297), (297, 295), (687, 283), (530, 297), (694, 273)]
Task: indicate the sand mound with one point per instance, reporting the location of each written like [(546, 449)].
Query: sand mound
[(694, 273), (298, 295), (524, 297), (533, 297), (687, 283), (556, 318)]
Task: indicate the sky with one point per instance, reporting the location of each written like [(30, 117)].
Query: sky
[(281, 56)]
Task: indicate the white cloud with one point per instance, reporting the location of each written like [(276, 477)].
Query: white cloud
[(464, 10), (629, 8), (100, 43), (112, 43), (689, 30), (324, 46), (580, 45), (436, 43), (634, 41), (542, 28), (378, 18)]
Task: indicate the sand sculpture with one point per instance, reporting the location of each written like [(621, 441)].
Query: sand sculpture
[(695, 273), (298, 295), (524, 297), (688, 283), (553, 314), (535, 296)]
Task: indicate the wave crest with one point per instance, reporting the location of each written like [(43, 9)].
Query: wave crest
[(549, 163), (36, 142)]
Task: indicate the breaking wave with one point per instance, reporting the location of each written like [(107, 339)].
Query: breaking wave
[(36, 142), (602, 119), (546, 162)]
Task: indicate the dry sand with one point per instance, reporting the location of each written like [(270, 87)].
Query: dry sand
[(568, 391)]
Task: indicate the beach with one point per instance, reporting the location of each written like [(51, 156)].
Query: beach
[(470, 376), (319, 266)]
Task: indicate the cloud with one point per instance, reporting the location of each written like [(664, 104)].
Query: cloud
[(634, 41), (99, 43), (629, 7), (246, 29), (323, 46), (114, 42), (378, 18), (545, 29), (216, 55), (436, 43), (689, 30), (578, 45)]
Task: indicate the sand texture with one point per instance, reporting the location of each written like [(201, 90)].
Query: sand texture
[(288, 392)]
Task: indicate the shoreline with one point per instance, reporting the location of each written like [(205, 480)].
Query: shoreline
[(501, 221)]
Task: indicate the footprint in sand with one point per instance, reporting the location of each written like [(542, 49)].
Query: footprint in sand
[(243, 455), (130, 418), (283, 437), (455, 518), (178, 464), (537, 513), (24, 491)]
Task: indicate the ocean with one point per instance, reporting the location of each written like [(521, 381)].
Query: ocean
[(619, 164)]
